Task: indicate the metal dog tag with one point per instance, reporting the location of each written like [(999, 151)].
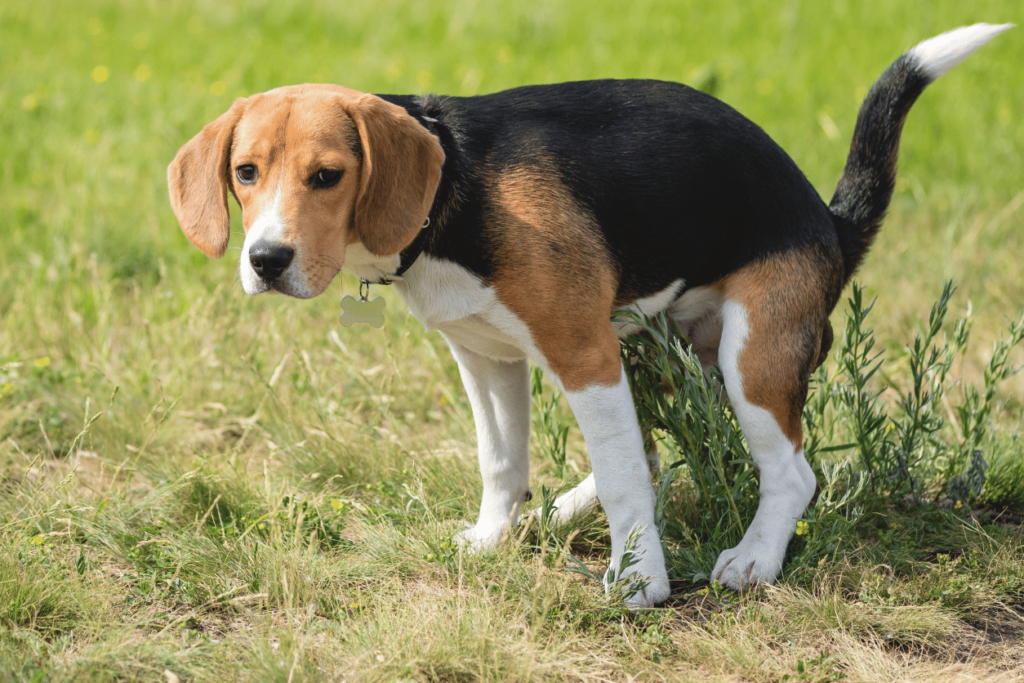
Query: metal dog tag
[(362, 310), (355, 310)]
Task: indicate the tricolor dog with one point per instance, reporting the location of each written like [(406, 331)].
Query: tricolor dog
[(517, 223)]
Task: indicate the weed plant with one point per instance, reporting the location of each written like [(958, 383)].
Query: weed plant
[(922, 448)]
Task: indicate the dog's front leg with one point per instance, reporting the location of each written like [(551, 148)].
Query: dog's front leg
[(607, 418), (499, 393)]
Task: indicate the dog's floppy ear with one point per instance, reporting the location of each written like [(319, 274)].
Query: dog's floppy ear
[(198, 181), (401, 169)]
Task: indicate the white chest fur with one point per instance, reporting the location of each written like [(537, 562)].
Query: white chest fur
[(445, 296), (449, 298)]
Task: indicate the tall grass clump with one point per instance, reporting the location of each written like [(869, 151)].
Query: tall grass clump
[(923, 445), (35, 591)]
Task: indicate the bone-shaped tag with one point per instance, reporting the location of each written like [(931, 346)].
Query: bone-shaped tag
[(355, 310)]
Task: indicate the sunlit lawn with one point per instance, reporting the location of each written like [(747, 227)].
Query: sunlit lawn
[(234, 488)]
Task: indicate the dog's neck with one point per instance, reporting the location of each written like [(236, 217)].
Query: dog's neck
[(432, 113), (428, 112), (454, 229)]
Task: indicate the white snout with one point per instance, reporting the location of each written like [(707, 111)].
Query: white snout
[(270, 227)]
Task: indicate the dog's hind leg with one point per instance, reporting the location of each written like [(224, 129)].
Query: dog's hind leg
[(772, 322), (577, 501), (499, 393)]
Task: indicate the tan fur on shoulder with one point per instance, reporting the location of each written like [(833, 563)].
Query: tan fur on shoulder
[(555, 273)]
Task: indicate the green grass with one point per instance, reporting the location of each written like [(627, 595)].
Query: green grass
[(234, 488)]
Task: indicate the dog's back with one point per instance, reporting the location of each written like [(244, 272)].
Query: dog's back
[(678, 184)]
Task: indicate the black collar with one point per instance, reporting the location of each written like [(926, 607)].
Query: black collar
[(407, 257)]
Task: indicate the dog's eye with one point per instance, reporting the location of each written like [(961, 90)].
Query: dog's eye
[(246, 174), (325, 178)]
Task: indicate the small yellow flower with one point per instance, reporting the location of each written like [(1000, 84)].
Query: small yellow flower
[(42, 362), (38, 539), (218, 88), (1005, 115), (337, 504), (959, 504), (142, 73), (802, 528), (100, 74), (392, 71), (8, 388)]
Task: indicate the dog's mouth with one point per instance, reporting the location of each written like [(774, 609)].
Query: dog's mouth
[(289, 288), (305, 285)]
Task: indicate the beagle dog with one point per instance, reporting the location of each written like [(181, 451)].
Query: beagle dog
[(517, 223)]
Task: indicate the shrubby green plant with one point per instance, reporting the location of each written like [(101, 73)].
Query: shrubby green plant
[(550, 430), (873, 445)]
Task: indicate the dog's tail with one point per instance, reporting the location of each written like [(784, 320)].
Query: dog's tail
[(866, 186)]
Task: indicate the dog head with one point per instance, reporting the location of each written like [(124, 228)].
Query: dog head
[(317, 170)]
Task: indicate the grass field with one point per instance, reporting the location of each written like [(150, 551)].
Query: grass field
[(202, 486)]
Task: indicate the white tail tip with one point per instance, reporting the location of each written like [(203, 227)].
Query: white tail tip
[(938, 55)]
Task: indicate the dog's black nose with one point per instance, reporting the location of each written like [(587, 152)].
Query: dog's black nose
[(269, 260)]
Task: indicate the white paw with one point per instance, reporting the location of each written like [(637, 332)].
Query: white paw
[(746, 565), (654, 593), (649, 571), (481, 539)]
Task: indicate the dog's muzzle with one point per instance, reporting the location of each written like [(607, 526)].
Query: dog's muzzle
[(270, 259)]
